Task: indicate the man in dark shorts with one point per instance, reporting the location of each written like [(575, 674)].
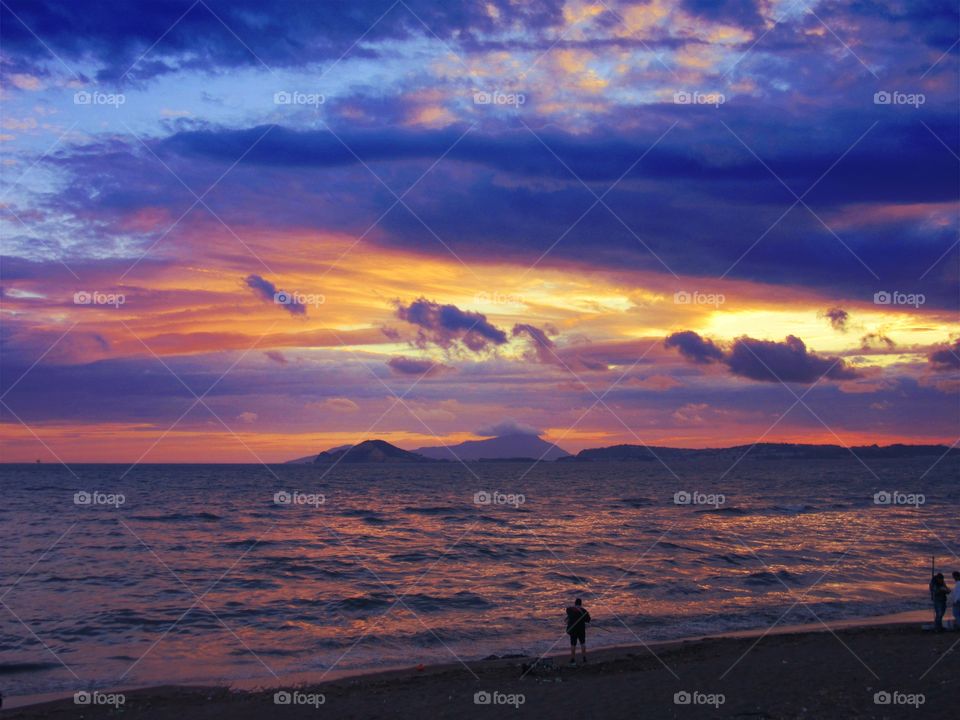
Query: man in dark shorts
[(577, 619)]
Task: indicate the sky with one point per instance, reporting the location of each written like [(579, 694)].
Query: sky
[(249, 231)]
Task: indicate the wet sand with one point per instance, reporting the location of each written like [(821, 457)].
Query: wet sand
[(807, 674)]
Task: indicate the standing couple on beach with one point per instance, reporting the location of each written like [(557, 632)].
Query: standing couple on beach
[(943, 596)]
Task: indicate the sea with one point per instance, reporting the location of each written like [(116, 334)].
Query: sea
[(112, 576)]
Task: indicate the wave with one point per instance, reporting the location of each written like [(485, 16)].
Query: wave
[(179, 517)]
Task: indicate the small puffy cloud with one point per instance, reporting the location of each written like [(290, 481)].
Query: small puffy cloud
[(337, 404), (445, 325), (508, 427), (694, 348), (947, 357), (267, 291), (838, 318), (413, 366), (690, 414), (247, 417), (277, 356)]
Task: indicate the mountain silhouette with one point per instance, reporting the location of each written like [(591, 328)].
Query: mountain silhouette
[(506, 447), (369, 451)]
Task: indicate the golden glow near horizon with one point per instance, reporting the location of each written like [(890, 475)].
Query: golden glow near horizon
[(167, 314)]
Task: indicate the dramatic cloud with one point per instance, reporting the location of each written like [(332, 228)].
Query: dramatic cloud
[(694, 348), (244, 33), (413, 366), (763, 360), (946, 358), (508, 427), (838, 318), (445, 325), (268, 292), (787, 361)]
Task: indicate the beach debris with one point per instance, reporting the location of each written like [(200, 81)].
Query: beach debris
[(541, 666)]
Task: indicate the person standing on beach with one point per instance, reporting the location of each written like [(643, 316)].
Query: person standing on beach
[(954, 600), (938, 593), (577, 619)]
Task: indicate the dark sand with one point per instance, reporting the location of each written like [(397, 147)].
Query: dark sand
[(808, 675)]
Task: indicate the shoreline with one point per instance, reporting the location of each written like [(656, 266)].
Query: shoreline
[(912, 621)]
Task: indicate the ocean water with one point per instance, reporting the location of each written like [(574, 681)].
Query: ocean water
[(201, 575)]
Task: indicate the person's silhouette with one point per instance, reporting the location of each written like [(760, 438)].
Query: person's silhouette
[(577, 619), (938, 593)]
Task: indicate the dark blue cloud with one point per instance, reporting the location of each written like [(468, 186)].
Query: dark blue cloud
[(694, 348), (162, 36), (445, 325), (947, 357), (787, 361), (267, 291), (763, 360)]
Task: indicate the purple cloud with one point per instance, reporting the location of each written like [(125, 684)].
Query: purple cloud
[(268, 292), (445, 325)]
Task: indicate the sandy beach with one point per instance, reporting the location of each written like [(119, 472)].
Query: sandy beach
[(812, 674)]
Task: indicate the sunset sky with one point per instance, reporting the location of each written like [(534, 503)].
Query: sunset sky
[(671, 223)]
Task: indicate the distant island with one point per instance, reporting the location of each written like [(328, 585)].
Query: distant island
[(532, 447)]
